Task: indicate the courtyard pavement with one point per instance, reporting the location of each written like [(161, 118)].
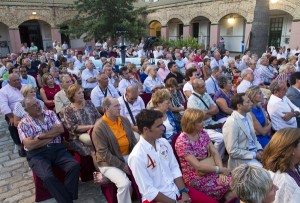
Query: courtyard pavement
[(16, 181)]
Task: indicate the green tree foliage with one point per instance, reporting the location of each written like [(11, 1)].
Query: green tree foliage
[(103, 18), (186, 42)]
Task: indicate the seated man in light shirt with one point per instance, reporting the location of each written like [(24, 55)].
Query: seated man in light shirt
[(247, 81), (89, 77), (127, 81), (154, 165), (131, 104), (282, 111), (102, 90)]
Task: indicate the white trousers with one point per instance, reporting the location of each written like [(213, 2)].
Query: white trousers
[(218, 139), (120, 179), (254, 162)]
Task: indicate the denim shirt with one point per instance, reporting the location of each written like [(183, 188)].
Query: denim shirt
[(174, 123)]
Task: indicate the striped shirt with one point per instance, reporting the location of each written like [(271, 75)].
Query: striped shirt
[(30, 127)]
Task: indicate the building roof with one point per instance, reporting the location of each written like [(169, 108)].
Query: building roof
[(158, 3)]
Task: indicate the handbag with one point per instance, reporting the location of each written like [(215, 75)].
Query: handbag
[(207, 161)]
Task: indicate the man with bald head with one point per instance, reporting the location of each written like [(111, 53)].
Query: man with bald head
[(199, 99), (10, 95), (40, 131), (131, 105)]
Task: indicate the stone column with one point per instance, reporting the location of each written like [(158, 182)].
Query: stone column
[(164, 32), (295, 34), (214, 34), (15, 40), (187, 31), (55, 34), (247, 35)]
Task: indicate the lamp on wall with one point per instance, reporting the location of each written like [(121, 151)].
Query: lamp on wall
[(274, 1), (231, 20), (33, 13)]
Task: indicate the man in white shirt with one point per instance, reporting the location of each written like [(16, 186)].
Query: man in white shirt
[(158, 53), (244, 63), (127, 81), (217, 61), (112, 77), (79, 63), (226, 58), (89, 77), (102, 90), (248, 77), (153, 163), (134, 105), (211, 83), (282, 111)]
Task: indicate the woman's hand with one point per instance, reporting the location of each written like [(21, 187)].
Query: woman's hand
[(222, 180)]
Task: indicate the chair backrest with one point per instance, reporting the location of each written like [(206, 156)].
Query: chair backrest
[(146, 97), (173, 147)]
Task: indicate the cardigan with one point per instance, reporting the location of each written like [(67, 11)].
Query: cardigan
[(108, 152)]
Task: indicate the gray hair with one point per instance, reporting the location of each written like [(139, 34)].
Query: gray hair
[(275, 86), (106, 65), (252, 91), (53, 69), (250, 183), (215, 69), (26, 89), (106, 102), (245, 72), (87, 61), (150, 67), (222, 81)]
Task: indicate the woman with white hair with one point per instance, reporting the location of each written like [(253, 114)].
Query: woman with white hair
[(252, 184), (152, 82), (19, 112)]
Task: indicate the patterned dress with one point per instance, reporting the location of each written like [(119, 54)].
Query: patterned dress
[(207, 184)]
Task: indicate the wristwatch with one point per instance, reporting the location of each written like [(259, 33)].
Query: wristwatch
[(184, 190)]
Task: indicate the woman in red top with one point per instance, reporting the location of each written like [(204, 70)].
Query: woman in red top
[(48, 90)]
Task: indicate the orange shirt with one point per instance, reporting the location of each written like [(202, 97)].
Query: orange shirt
[(120, 134)]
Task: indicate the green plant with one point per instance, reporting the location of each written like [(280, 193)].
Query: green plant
[(186, 42)]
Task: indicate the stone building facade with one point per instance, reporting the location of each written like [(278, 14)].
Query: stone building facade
[(207, 20), (36, 18)]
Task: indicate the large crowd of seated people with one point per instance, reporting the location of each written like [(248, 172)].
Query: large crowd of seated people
[(188, 125)]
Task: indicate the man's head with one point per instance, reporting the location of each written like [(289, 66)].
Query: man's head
[(132, 93), (245, 59), (161, 64), (278, 88), (54, 71), (32, 106), (199, 86), (217, 56), (102, 80), (252, 64), (178, 56), (27, 62), (216, 72), (124, 72), (14, 70), (14, 81), (65, 81), (241, 103), (264, 61), (111, 106), (150, 123), (89, 64), (247, 74), (295, 80), (107, 69), (23, 71), (172, 67)]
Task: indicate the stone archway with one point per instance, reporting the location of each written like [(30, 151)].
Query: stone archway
[(5, 45), (38, 32), (232, 29), (154, 28), (200, 29), (175, 29)]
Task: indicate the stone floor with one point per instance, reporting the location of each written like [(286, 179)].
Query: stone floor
[(16, 181)]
